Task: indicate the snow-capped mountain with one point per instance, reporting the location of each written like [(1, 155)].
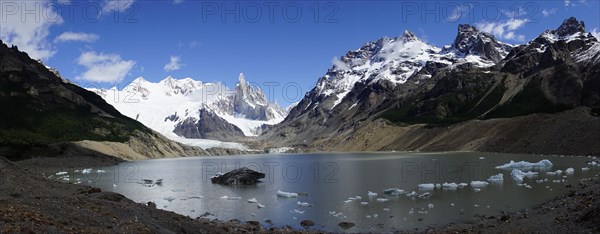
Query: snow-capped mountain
[(404, 79), (192, 109)]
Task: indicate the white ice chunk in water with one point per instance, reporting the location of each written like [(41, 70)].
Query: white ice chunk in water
[(426, 186), (426, 195), (101, 171), (430, 206), (518, 175), (393, 191), (296, 211), (478, 184), (364, 203), (570, 171), (86, 171), (585, 169), (348, 201), (545, 163), (286, 194), (462, 185), (261, 205), (450, 186), (231, 198), (438, 186), (496, 178), (412, 194), (252, 200), (476, 190), (371, 194), (62, 173), (382, 199), (304, 204)]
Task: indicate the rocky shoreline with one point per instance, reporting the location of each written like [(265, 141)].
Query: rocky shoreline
[(31, 203)]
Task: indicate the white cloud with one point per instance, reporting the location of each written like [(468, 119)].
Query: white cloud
[(117, 5), (567, 3), (595, 33), (504, 30), (76, 36), (174, 64), (177, 2), (339, 65), (548, 12), (29, 31), (516, 13), (104, 67), (457, 13)]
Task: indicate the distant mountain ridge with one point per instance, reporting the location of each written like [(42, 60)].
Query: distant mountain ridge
[(192, 109)]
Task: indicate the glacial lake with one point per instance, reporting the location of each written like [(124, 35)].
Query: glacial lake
[(330, 184)]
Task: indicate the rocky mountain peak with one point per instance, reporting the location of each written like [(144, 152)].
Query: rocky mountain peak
[(569, 27), (470, 41), (409, 36)]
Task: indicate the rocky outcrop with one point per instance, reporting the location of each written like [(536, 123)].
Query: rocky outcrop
[(470, 41), (241, 176), (208, 125)]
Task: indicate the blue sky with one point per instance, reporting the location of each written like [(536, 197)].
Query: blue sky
[(107, 43)]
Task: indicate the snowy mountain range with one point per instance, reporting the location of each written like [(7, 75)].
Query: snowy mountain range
[(187, 108), (406, 80)]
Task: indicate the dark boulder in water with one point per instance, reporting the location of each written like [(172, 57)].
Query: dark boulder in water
[(242, 175)]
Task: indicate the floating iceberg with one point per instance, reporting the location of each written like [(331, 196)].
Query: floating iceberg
[(462, 185), (382, 199), (585, 169), (438, 186), (348, 201), (86, 171), (231, 198), (426, 186), (476, 190), (62, 173), (426, 195), (304, 204), (364, 203), (430, 206), (252, 200), (393, 191), (518, 175), (526, 165), (496, 178), (261, 206), (371, 194), (570, 171), (101, 171), (286, 194), (479, 184), (412, 194), (296, 211), (450, 186)]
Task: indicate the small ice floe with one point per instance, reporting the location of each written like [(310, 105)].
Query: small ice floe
[(476, 205), (481, 158), (393, 191), (169, 199), (371, 194), (426, 186), (411, 211), (593, 163), (101, 171), (518, 175), (430, 206), (114, 185), (462, 185), (382, 199), (286, 194), (426, 195), (348, 201), (422, 211), (449, 186), (584, 169), (476, 190), (386, 209), (303, 204), (296, 211), (231, 198), (364, 203), (545, 163), (261, 205), (412, 194), (375, 215), (358, 197), (451, 204), (541, 181), (86, 171), (479, 184), (438, 186), (496, 178), (294, 218), (253, 214), (368, 216), (252, 200), (570, 171), (556, 181), (61, 173), (525, 185)]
